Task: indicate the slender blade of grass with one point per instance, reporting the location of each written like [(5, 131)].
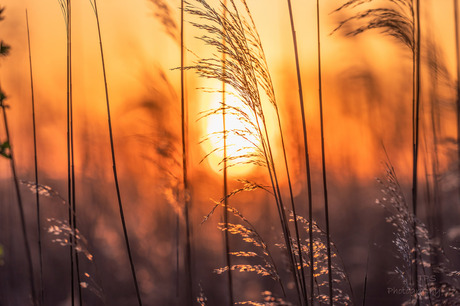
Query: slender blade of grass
[(417, 81), (114, 164), (457, 56), (72, 192), (37, 196), (21, 210), (224, 177), (69, 178), (323, 157), (307, 157), (187, 199)]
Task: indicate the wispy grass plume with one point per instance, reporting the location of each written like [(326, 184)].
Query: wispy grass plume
[(163, 13), (266, 265), (246, 74), (431, 290), (401, 20)]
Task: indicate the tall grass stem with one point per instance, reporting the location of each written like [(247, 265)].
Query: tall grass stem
[(224, 177), (69, 179), (37, 195), (114, 163), (323, 157), (187, 195), (307, 157), (457, 56), (21, 209), (416, 129), (264, 136)]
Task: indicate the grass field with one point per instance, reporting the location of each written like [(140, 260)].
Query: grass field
[(237, 152)]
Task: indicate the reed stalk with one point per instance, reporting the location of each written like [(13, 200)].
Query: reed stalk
[(247, 74), (267, 86), (267, 149), (264, 136), (114, 163), (396, 22), (307, 157), (74, 261), (416, 128), (457, 56), (323, 157), (185, 180), (69, 183), (20, 204), (225, 192), (224, 177), (37, 195), (435, 204), (366, 275)]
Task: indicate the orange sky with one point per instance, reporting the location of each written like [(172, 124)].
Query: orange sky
[(137, 48)]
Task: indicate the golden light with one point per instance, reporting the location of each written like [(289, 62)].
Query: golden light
[(241, 140)]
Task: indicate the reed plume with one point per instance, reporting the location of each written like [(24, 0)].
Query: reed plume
[(163, 13), (246, 74), (61, 231), (432, 291), (248, 233), (328, 266), (401, 20)]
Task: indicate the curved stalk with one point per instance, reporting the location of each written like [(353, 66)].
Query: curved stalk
[(416, 114), (187, 200), (323, 158), (307, 156), (224, 129), (114, 164), (37, 196), (20, 206)]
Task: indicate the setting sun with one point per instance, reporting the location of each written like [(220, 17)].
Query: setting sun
[(229, 152), (241, 141)]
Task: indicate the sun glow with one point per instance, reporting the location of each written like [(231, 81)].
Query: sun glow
[(241, 139)]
